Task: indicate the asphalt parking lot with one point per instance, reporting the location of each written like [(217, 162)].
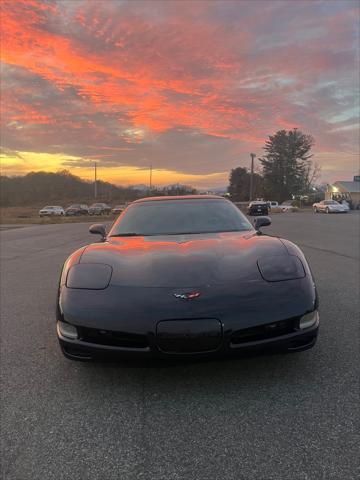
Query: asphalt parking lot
[(278, 417)]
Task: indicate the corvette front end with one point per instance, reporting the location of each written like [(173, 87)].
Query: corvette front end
[(219, 319), (185, 294)]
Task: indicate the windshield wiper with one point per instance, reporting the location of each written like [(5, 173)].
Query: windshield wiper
[(128, 234)]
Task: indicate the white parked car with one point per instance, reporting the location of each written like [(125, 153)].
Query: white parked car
[(51, 210), (272, 204), (288, 206), (330, 206)]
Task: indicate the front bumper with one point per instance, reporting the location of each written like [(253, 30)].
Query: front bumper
[(147, 346)]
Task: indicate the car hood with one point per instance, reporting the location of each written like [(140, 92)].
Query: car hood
[(184, 260)]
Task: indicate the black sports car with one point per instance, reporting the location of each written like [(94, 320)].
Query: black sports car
[(185, 276)]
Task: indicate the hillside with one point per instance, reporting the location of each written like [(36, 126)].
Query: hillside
[(63, 188), (37, 188)]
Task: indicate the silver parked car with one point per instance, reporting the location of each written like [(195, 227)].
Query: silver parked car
[(330, 206), (99, 209)]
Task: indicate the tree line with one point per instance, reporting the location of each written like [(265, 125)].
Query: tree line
[(39, 188), (287, 169)]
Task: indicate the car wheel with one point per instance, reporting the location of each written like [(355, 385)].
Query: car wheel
[(327, 210), (315, 210)]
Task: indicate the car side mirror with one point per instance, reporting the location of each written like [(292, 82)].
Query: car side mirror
[(99, 229), (261, 222)]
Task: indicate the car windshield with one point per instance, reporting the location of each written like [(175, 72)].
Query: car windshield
[(332, 202), (180, 217)]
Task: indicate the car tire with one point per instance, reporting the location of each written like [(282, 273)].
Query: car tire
[(327, 210), (315, 210)]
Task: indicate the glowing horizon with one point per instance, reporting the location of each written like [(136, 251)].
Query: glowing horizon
[(191, 91)]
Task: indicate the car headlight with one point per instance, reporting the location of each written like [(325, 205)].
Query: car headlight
[(89, 276), (309, 320), (67, 330), (279, 268)]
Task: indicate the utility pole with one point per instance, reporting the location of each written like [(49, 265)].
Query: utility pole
[(252, 155), (150, 179), (95, 183)]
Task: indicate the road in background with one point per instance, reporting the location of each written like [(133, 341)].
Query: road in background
[(279, 417)]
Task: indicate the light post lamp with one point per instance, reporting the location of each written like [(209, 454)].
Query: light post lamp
[(252, 155), (95, 181)]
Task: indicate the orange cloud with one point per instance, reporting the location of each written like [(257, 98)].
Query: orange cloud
[(159, 77)]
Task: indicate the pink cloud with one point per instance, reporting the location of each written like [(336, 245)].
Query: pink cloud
[(236, 71)]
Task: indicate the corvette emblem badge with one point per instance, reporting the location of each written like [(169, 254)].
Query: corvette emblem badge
[(187, 295)]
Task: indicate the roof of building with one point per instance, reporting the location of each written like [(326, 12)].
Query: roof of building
[(179, 197), (349, 186)]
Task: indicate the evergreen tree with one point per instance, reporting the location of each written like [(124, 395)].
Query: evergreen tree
[(239, 185), (287, 166)]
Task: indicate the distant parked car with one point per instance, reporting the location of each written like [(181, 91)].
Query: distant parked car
[(258, 207), (99, 209), (118, 209), (288, 206), (51, 210), (77, 209), (345, 204), (330, 206), (272, 204)]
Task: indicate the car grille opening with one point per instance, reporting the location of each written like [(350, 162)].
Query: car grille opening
[(113, 338), (264, 332)]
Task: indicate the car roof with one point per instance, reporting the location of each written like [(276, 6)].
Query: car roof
[(179, 198)]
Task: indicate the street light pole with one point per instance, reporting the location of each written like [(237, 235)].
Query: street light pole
[(95, 183), (252, 155)]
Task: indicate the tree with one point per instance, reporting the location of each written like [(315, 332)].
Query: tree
[(287, 166), (239, 184)]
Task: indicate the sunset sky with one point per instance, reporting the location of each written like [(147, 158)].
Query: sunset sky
[(191, 87)]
